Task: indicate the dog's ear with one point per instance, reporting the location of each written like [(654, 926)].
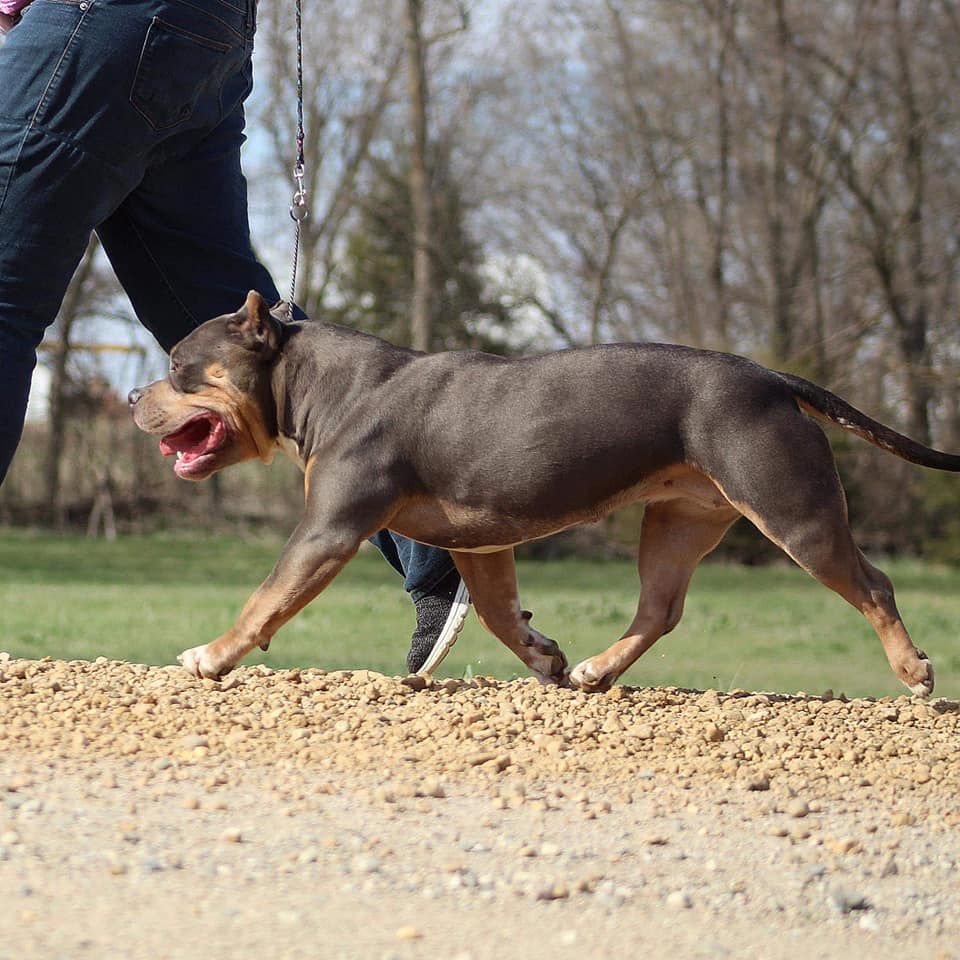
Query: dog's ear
[(280, 311), (254, 327)]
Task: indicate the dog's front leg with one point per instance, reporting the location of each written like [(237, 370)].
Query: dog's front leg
[(491, 579), (310, 561)]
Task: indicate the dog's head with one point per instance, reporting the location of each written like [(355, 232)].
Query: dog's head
[(216, 407)]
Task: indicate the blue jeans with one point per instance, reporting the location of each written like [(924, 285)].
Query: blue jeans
[(126, 117)]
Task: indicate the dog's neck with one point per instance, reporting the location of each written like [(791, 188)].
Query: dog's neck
[(322, 374)]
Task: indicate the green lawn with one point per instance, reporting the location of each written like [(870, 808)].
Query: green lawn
[(147, 598)]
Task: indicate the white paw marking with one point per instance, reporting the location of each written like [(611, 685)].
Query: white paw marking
[(925, 687), (583, 675), (196, 661)]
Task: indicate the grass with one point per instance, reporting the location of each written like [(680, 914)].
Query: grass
[(147, 598)]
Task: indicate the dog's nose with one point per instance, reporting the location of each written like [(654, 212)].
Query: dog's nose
[(133, 397)]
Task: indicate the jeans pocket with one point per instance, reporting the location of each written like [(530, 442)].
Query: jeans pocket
[(176, 68)]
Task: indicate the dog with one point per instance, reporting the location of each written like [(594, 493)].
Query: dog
[(478, 453)]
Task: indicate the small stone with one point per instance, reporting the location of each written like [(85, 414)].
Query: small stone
[(232, 835), (713, 734), (903, 819), (798, 808), (679, 900), (758, 784), (365, 863), (408, 933), (654, 840), (842, 845), (846, 901), (416, 683), (556, 891), (432, 787)]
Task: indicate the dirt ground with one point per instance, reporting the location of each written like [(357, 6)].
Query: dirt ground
[(289, 814)]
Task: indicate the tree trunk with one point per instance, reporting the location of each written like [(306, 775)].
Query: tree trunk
[(782, 295), (57, 414), (422, 306)]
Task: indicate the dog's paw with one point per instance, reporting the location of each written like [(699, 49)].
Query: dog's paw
[(545, 658), (585, 676), (198, 663), (920, 682)]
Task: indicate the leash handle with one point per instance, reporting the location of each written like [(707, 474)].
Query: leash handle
[(298, 208)]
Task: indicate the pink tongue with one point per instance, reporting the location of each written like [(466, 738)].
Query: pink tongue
[(192, 440)]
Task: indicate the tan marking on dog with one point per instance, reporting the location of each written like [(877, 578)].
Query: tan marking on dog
[(492, 581), (458, 526), (308, 475), (163, 410), (675, 537), (291, 450), (281, 596), (868, 590)]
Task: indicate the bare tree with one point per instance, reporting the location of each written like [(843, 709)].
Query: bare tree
[(424, 238), (77, 298), (353, 58)]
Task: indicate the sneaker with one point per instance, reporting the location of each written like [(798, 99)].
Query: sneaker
[(440, 617)]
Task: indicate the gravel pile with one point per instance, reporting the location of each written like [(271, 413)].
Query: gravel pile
[(817, 746), (409, 814)]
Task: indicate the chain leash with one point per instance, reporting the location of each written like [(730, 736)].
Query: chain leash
[(298, 208)]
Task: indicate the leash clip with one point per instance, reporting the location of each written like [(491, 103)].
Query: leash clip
[(299, 209)]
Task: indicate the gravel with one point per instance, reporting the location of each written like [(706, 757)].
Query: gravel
[(143, 813)]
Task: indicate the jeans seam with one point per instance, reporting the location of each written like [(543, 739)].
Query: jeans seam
[(57, 69), (13, 167), (212, 16)]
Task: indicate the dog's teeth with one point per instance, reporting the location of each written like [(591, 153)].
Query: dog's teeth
[(179, 454)]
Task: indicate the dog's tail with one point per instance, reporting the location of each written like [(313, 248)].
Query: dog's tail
[(824, 405)]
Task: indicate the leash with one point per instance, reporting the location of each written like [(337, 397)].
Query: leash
[(298, 208)]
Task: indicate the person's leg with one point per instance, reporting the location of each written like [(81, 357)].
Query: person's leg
[(424, 568), (384, 541), (54, 187)]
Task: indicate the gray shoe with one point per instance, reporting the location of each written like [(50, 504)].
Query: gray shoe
[(440, 617)]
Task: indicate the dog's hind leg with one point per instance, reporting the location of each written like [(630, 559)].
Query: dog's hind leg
[(491, 579), (675, 537), (823, 545), (793, 495)]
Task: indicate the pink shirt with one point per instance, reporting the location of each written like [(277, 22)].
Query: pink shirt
[(12, 6)]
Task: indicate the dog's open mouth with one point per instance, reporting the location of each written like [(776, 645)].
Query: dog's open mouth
[(196, 444)]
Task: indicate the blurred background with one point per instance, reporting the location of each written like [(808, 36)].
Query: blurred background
[(774, 178)]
